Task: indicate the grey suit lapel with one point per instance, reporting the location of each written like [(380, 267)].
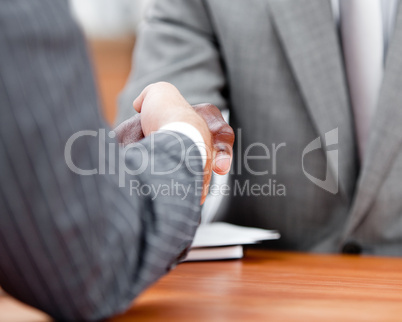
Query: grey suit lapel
[(386, 133), (310, 41)]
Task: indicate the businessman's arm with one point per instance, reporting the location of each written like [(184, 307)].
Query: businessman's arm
[(79, 246), (177, 44)]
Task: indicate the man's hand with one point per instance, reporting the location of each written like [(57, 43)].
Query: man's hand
[(162, 103), (222, 134)]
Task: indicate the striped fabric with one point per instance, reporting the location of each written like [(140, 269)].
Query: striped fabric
[(77, 247)]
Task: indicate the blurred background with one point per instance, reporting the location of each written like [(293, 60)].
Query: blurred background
[(110, 27)]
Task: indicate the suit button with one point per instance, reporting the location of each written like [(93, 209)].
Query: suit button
[(352, 248)]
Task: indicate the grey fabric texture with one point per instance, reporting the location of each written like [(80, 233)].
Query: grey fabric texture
[(77, 247), (277, 65)]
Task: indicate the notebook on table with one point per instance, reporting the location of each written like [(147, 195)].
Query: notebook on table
[(220, 241)]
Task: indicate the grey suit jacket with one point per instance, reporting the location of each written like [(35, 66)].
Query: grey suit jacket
[(277, 66), (78, 247)]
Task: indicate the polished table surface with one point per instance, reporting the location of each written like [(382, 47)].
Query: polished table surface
[(265, 286)]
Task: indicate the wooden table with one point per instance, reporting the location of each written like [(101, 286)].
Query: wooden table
[(271, 286)]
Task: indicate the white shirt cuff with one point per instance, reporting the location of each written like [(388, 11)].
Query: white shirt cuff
[(192, 133)]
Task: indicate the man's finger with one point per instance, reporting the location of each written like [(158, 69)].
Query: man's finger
[(222, 163), (222, 137), (130, 131)]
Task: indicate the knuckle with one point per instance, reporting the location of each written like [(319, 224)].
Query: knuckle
[(165, 85), (225, 134), (209, 108)]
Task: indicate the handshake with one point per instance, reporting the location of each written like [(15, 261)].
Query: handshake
[(161, 104)]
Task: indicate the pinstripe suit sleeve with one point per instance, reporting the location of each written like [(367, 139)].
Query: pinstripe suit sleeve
[(78, 247)]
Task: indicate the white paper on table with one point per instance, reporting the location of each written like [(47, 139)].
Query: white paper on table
[(223, 234)]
